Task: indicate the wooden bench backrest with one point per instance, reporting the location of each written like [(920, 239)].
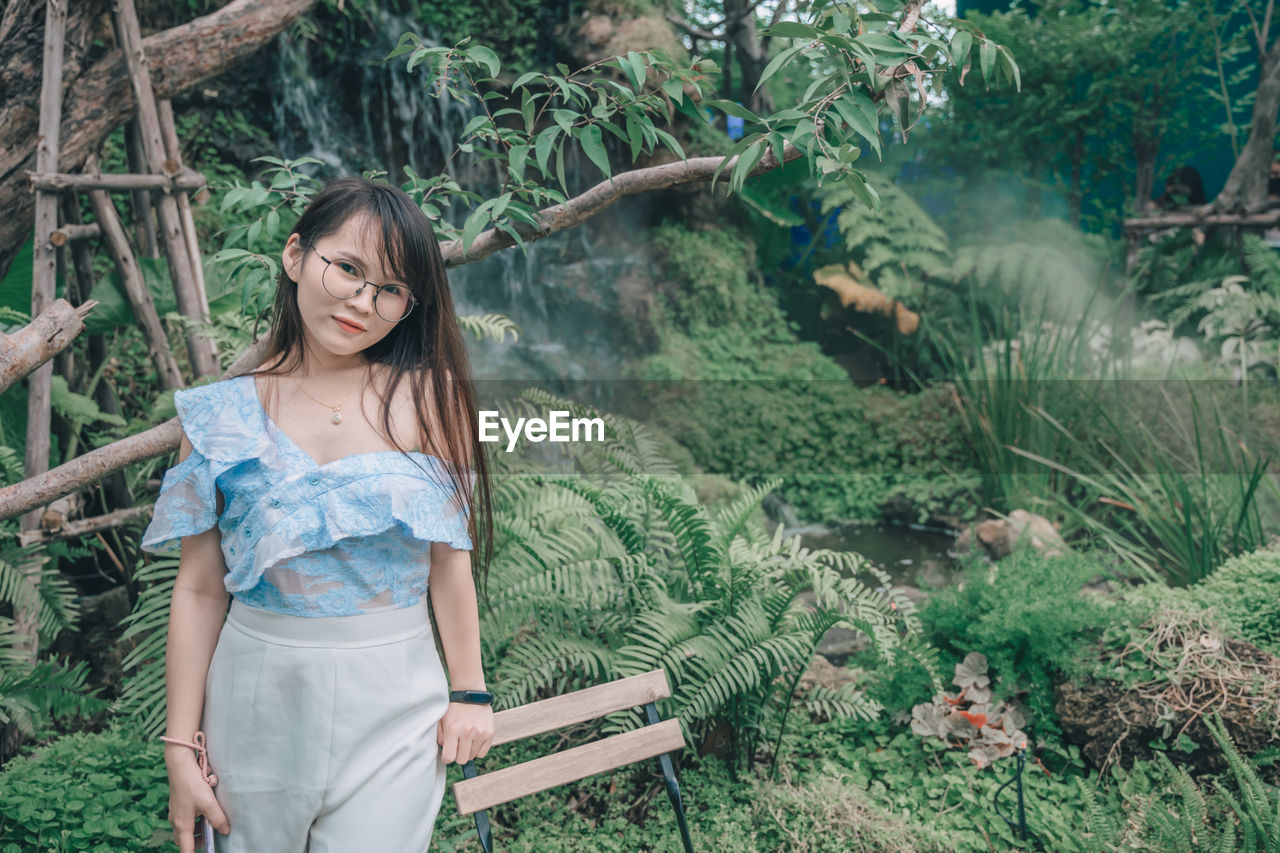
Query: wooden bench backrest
[(539, 774)]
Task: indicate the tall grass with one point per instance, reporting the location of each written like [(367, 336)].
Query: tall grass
[(1060, 428)]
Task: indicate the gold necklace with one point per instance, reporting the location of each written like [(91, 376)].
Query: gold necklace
[(336, 418)]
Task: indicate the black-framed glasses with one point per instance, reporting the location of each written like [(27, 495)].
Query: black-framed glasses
[(343, 278)]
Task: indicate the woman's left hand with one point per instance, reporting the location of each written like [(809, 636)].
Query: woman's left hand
[(465, 732)]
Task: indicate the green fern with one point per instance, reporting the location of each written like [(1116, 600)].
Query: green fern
[(492, 326), (1257, 807), (142, 696), (898, 246), (52, 597), (33, 693), (713, 601)]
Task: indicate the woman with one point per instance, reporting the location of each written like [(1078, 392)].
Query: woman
[(324, 711)]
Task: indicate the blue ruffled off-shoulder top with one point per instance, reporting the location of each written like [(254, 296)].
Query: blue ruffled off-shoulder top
[(350, 536)]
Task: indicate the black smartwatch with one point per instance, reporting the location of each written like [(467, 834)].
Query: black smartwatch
[(471, 697)]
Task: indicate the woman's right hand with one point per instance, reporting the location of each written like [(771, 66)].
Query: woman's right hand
[(189, 797)]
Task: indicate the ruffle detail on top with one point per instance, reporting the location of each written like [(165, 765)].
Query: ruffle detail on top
[(293, 519), (222, 436)]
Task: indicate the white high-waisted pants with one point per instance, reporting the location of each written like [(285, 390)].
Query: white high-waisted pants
[(322, 731)]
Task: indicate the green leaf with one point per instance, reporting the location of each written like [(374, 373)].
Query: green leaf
[(232, 198), (474, 124), (732, 152), (565, 119), (864, 192), (960, 48), (850, 109), (486, 57), (515, 161), (593, 145), (475, 223), (776, 63), (791, 30), (634, 137), (527, 107), (674, 89), (987, 56), (746, 162), (1006, 59), (500, 204), (669, 141), (524, 78), (733, 109), (542, 146), (634, 65), (882, 42)]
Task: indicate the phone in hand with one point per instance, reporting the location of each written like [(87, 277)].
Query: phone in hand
[(204, 835)]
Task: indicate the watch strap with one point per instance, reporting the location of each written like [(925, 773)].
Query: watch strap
[(471, 697)]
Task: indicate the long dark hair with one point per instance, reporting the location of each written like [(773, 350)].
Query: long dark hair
[(424, 347)]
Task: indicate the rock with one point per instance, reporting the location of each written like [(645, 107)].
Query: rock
[(999, 536)]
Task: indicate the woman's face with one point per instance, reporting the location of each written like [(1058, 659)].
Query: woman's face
[(352, 253)]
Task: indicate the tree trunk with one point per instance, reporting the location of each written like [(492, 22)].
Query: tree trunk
[(98, 98), (1246, 186), (1145, 151), (741, 32)]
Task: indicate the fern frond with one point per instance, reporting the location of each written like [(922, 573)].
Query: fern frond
[(732, 519), (492, 326)]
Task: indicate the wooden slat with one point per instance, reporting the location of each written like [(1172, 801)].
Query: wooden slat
[(530, 777), (187, 180), (579, 706)]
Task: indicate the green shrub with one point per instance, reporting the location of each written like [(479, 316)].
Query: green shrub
[(1029, 616), (88, 793), (842, 451), (1241, 599), (712, 279), (1244, 592)]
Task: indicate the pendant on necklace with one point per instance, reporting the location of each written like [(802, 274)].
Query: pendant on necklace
[(337, 418)]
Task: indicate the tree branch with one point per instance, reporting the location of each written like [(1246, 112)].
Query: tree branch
[(582, 207), (693, 29), (912, 17)]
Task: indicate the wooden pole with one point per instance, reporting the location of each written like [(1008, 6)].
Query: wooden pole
[(96, 384), (43, 284), (188, 180), (129, 37), (135, 286), (70, 233), (138, 198), (169, 132)]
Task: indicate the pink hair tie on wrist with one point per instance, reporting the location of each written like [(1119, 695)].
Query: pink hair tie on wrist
[(202, 755)]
